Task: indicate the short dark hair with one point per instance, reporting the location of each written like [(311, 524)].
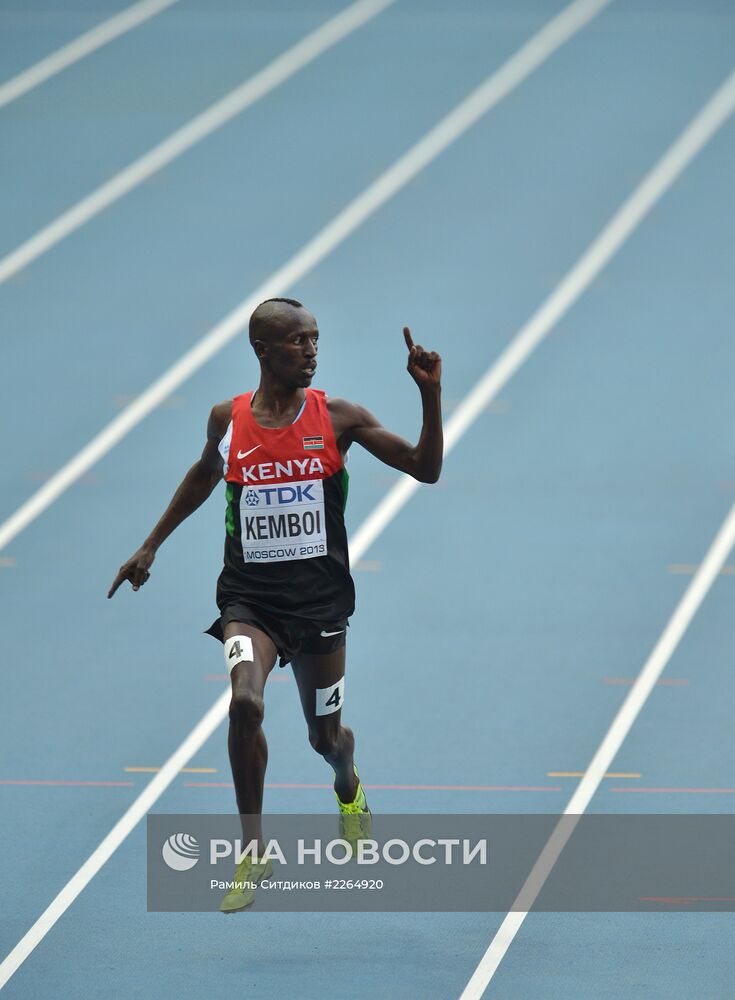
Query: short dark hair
[(256, 320), (290, 302)]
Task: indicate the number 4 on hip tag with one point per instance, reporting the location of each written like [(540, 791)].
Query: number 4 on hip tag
[(330, 699)]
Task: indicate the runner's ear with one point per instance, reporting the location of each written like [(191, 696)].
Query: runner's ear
[(261, 348)]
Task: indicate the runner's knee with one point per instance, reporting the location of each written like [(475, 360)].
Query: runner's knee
[(325, 743), (247, 709)]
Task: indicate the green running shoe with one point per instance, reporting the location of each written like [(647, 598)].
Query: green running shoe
[(247, 876), (355, 819)]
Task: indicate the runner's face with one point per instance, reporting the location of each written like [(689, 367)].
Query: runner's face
[(292, 354)]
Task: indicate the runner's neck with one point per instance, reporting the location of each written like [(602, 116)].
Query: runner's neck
[(298, 414)]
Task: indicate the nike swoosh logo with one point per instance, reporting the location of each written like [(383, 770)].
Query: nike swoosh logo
[(326, 634), (244, 454)]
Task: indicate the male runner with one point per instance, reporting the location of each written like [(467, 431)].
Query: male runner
[(285, 590)]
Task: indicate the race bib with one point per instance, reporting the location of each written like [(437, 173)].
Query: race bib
[(280, 523)]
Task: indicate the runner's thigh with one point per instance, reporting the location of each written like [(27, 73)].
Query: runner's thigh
[(249, 677), (316, 675)]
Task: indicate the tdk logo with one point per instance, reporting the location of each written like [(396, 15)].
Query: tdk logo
[(251, 498), (297, 493)]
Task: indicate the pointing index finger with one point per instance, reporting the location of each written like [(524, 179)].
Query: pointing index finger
[(408, 337), (116, 583)]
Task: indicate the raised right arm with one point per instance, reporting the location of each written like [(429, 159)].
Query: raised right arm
[(196, 486)]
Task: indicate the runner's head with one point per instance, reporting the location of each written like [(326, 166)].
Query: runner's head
[(284, 336)]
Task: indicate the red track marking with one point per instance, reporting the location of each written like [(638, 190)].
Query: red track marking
[(228, 784), (665, 681), (678, 900), (395, 788), (46, 781), (272, 678), (694, 791), (468, 788)]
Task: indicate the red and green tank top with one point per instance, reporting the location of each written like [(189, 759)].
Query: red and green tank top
[(286, 543)]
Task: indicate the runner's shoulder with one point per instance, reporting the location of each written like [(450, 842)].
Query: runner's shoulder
[(347, 415), (219, 419)]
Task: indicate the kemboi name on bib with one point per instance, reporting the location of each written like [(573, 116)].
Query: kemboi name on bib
[(273, 515)]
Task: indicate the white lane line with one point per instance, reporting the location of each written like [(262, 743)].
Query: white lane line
[(572, 19), (695, 136), (215, 116), (82, 46), (531, 55), (574, 283), (107, 847), (613, 740)]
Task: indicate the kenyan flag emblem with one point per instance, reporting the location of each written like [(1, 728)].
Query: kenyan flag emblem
[(313, 443)]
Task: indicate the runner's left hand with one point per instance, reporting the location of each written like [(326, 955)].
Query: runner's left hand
[(424, 367)]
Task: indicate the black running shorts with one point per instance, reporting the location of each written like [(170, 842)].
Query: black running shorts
[(289, 635)]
